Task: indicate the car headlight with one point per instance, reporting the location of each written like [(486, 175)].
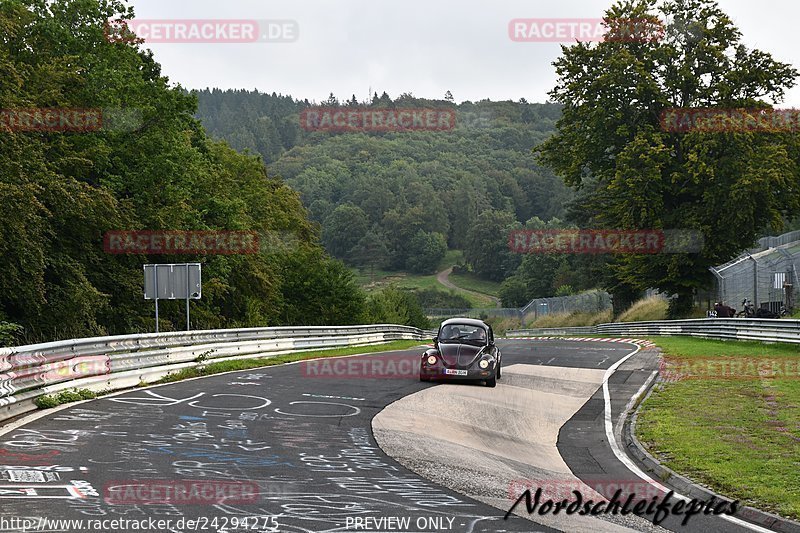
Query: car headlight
[(484, 364), (431, 359)]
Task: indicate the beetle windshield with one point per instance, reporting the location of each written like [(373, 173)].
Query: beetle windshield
[(462, 333)]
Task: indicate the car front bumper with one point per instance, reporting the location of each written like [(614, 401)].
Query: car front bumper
[(438, 371)]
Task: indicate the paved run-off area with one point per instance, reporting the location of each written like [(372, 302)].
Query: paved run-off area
[(491, 444)]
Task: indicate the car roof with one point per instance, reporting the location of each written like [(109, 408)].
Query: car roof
[(466, 322)]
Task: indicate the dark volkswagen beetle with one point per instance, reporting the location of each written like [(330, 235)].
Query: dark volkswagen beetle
[(464, 349)]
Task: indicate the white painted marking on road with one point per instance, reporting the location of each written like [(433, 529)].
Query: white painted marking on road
[(333, 397), (641, 390), (356, 410), (624, 459)]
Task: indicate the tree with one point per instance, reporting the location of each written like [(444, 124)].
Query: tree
[(343, 229), (395, 306), (156, 170), (537, 272), (637, 176), (371, 251), (487, 244), (332, 101), (513, 292), (318, 291), (404, 222), (385, 101), (425, 252), (449, 97)]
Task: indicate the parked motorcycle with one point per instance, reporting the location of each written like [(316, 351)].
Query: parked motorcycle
[(766, 313), (750, 311)]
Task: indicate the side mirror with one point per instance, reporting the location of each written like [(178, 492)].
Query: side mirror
[(436, 340)]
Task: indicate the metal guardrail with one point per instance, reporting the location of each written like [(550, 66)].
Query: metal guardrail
[(112, 363), (547, 332), (765, 330)]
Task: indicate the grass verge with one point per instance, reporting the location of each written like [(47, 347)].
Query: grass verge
[(219, 367), (405, 280), (646, 309), (739, 435), (567, 320), (471, 282), (502, 325)]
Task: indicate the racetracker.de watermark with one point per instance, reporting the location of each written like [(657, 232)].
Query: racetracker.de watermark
[(261, 523), (553, 30), (180, 492), (355, 119), (720, 120), (194, 31), (587, 241), (69, 120), (672, 368), (369, 367), (73, 368), (182, 242)]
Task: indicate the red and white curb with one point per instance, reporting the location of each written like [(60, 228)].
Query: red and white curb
[(645, 344)]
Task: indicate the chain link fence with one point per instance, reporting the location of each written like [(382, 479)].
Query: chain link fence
[(767, 274), (588, 302)]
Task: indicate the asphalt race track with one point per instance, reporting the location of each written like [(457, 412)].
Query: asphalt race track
[(291, 448)]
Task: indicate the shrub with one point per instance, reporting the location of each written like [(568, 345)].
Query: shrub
[(513, 292), (438, 299), (9, 332), (565, 290), (395, 306), (66, 396)]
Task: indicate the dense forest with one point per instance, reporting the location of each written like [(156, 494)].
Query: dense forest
[(399, 200), (61, 191)]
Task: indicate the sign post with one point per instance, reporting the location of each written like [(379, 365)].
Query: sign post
[(173, 282), (155, 274)]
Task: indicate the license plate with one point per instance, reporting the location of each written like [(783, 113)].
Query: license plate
[(451, 372)]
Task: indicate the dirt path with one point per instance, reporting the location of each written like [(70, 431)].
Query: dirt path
[(443, 278)]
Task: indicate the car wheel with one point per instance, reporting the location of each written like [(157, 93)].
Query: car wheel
[(498, 370), (492, 382), (423, 378)]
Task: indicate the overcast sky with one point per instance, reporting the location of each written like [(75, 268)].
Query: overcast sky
[(424, 47)]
